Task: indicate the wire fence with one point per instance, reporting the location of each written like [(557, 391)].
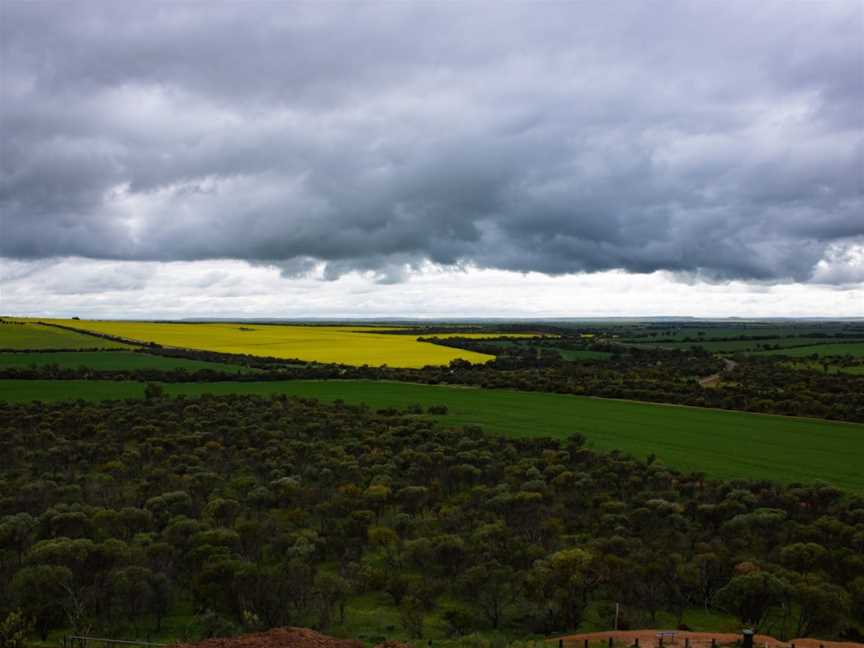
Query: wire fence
[(77, 641)]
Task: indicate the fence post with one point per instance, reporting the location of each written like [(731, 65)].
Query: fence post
[(560, 643), (660, 641), (636, 643), (610, 643), (586, 643), (713, 642), (686, 642)]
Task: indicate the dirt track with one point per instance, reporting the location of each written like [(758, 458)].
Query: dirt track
[(714, 379), (648, 639)]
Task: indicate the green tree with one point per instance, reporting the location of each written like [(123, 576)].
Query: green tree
[(15, 629), (41, 592), (751, 597)]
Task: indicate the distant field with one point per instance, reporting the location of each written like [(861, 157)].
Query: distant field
[(857, 370), (22, 391), (583, 354), (566, 354), (721, 444), (850, 348), (342, 344), (732, 330), (36, 336), (749, 346), (110, 361)]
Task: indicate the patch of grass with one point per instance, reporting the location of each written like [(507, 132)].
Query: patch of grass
[(855, 370), (111, 361), (722, 444), (583, 354), (790, 345), (22, 391), (30, 335), (855, 349)]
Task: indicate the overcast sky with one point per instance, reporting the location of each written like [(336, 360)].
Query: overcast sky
[(432, 158)]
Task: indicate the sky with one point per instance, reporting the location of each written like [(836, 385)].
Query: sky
[(432, 159)]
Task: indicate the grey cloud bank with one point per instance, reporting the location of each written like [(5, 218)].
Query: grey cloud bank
[(721, 140)]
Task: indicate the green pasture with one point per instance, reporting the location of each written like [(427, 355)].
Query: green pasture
[(38, 336), (834, 349), (722, 444), (109, 361), (22, 391), (813, 365), (583, 354), (566, 354), (790, 346), (677, 334)]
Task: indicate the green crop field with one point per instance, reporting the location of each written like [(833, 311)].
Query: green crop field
[(110, 361), (731, 330), (814, 365), (37, 336), (21, 391), (583, 354), (834, 349), (752, 346), (721, 444)]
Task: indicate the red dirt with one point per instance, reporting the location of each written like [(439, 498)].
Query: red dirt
[(286, 638), (648, 639)]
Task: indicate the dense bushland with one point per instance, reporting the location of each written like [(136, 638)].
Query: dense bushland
[(265, 512)]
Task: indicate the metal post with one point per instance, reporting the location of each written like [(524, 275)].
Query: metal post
[(686, 642), (713, 643), (610, 642)]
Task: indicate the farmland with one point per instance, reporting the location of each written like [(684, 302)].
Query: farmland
[(719, 443), (788, 346), (391, 461), (108, 361), (131, 413), (855, 349), (30, 335), (21, 391), (338, 344)]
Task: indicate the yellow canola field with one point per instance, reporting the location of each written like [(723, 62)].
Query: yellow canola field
[(343, 344)]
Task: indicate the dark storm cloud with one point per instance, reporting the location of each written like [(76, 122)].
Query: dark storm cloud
[(718, 139)]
